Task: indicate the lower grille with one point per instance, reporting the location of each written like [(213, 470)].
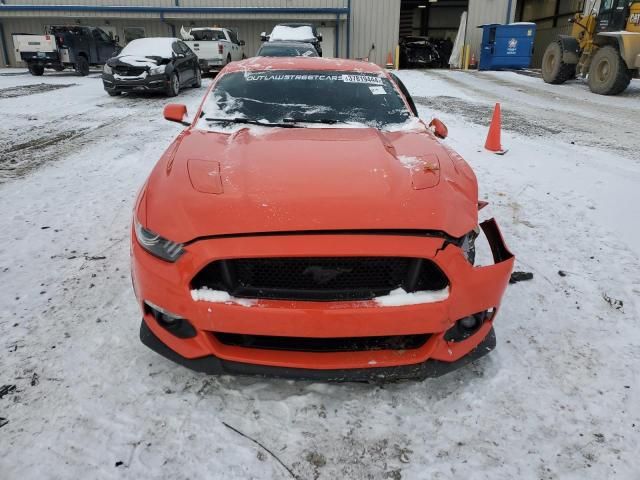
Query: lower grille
[(320, 278), (323, 345)]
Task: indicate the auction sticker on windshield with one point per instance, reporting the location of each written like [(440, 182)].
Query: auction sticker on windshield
[(362, 79)]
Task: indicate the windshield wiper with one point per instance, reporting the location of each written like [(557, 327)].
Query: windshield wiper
[(325, 121), (249, 122)]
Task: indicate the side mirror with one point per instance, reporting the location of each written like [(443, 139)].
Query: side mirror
[(241, 43), (176, 112), (116, 39), (439, 129), (263, 37), (319, 37)]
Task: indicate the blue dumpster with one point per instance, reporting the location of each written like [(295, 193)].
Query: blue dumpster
[(507, 46)]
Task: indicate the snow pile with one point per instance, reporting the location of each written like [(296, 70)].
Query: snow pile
[(399, 297), (218, 296), (284, 32), (413, 124), (150, 47)]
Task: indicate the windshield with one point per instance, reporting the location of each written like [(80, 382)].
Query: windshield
[(149, 47), (287, 51), (316, 97), (207, 35)]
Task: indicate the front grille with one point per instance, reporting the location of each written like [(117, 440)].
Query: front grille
[(323, 345), (320, 278), (129, 71)]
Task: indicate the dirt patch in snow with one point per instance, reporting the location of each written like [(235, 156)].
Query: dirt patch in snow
[(18, 159), (24, 90), (480, 114)]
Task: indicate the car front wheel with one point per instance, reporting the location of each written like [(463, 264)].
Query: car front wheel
[(173, 88), (82, 66), (36, 70)]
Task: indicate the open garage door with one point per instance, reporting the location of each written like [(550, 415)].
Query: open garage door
[(428, 30)]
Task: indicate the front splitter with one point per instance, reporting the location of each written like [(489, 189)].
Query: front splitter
[(216, 366)]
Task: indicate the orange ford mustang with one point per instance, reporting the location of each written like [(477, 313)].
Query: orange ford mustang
[(307, 224)]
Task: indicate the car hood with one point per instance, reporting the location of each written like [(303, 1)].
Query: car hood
[(286, 180), (135, 61)]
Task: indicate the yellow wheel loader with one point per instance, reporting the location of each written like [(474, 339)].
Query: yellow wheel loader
[(604, 48)]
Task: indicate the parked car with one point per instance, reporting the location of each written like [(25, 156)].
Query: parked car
[(295, 32), (308, 224), (66, 47), (215, 47), (419, 52), (152, 64), (287, 49)]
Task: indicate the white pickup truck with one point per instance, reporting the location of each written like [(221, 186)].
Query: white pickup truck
[(215, 47)]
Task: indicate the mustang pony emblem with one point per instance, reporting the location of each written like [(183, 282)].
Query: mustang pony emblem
[(323, 275)]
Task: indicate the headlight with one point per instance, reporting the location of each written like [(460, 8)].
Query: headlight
[(157, 70), (469, 245), (156, 245), (107, 69)]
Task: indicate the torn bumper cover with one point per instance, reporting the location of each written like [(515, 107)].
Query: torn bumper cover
[(474, 292), (141, 82)]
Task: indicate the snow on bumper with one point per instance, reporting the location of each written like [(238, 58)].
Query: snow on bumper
[(471, 290)]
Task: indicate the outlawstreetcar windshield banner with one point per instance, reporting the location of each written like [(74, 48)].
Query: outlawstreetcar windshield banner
[(266, 77)]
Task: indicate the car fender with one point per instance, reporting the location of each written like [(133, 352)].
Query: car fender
[(169, 69)]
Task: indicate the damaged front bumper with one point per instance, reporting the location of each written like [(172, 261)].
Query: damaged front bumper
[(138, 83), (471, 290)]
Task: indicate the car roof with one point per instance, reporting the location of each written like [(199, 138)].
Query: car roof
[(296, 24), (287, 43), (303, 63)]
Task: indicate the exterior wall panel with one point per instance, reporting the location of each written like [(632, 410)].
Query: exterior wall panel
[(373, 22), (486, 11)]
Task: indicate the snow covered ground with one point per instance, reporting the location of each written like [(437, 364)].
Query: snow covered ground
[(558, 399)]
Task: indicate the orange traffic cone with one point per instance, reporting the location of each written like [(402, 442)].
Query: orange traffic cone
[(473, 62), (389, 60), (493, 138)]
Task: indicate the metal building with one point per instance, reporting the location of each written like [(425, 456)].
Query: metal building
[(441, 18), (351, 28), (552, 19)]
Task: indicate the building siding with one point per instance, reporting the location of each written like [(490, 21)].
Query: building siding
[(482, 12), (373, 22)]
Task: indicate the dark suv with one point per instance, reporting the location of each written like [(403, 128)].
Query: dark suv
[(295, 32)]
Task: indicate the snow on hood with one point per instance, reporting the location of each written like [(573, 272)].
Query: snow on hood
[(285, 32), (135, 61)]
